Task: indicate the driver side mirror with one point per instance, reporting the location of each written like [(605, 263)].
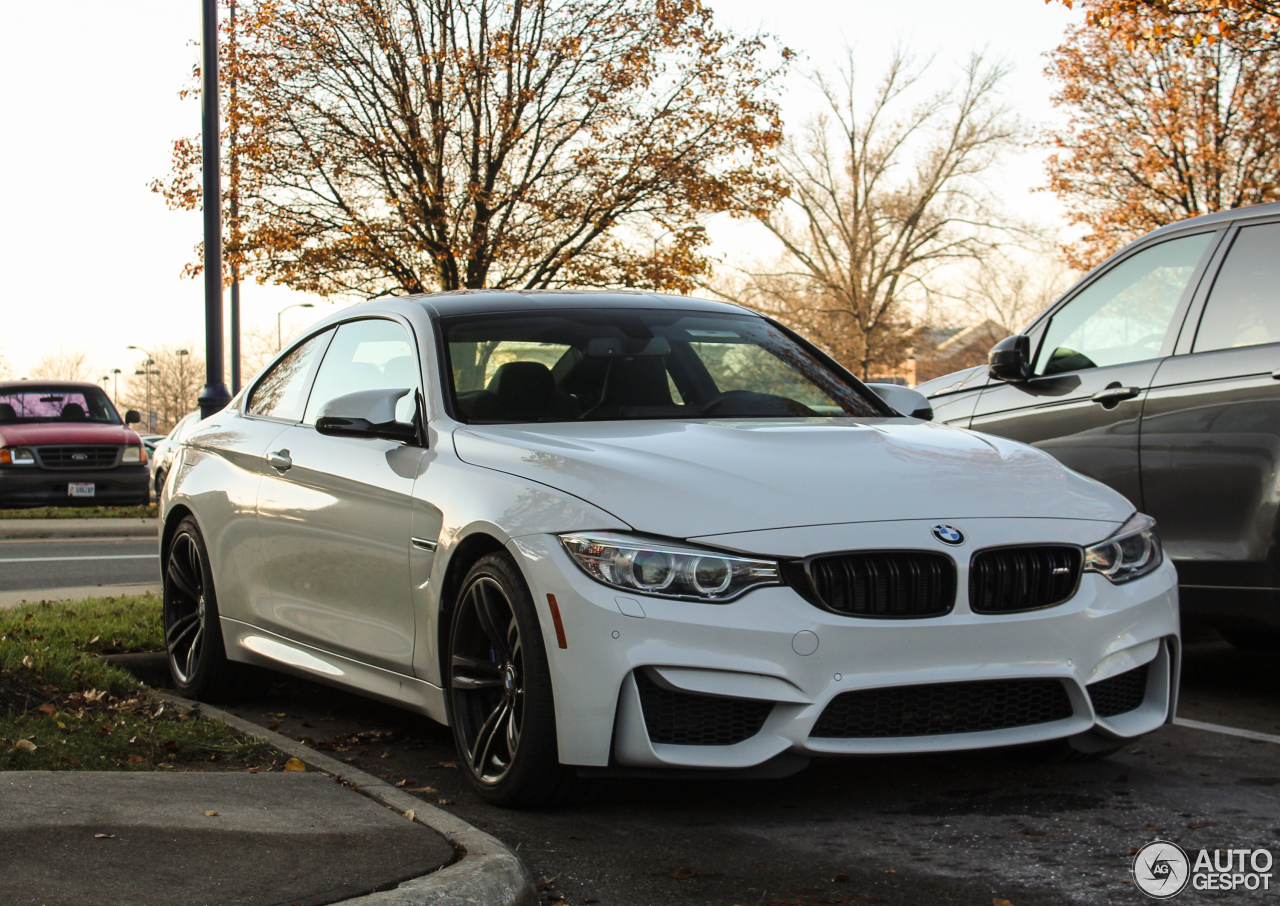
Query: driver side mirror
[(366, 413), (1010, 360), (132, 417)]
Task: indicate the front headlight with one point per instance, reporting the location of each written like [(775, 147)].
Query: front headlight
[(134, 453), (1131, 552), (666, 570), (17, 456)]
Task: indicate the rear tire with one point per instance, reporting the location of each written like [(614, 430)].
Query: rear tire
[(501, 707), (198, 661)]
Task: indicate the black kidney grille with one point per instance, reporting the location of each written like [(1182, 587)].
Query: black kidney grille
[(685, 719), (1010, 579), (1120, 693), (80, 457), (901, 584), (939, 709)]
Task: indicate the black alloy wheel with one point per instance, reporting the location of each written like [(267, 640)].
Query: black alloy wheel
[(486, 676), (192, 632), (185, 612), (499, 687)]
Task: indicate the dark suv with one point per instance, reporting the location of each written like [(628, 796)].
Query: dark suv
[(1159, 375), (64, 444)]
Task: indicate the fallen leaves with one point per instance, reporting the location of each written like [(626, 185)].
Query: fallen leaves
[(996, 901), (103, 836), (211, 814), (420, 789), (23, 745), (411, 814), (294, 764)]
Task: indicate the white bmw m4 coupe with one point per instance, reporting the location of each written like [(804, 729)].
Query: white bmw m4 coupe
[(605, 533)]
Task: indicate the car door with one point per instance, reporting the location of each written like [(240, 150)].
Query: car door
[(276, 401), (335, 512), (1211, 427), (1096, 355)]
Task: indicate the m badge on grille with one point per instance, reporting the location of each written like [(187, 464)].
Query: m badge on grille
[(948, 534)]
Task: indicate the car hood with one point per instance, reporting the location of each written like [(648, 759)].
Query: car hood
[(683, 479), (39, 433)]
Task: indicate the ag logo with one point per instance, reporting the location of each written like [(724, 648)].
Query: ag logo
[(1161, 869), (948, 534)]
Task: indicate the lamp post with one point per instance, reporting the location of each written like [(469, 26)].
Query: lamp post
[(279, 329), (147, 370), (214, 397), (115, 395)]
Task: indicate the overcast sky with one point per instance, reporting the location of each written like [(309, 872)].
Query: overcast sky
[(91, 258)]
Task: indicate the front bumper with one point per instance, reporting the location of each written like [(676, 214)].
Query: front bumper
[(772, 646), (30, 486)]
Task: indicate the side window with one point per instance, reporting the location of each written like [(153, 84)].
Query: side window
[(282, 392), (1244, 307), (1124, 315), (373, 354)]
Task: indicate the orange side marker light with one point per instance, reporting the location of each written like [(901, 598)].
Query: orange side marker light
[(555, 618)]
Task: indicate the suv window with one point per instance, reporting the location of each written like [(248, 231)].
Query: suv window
[(1124, 315), (282, 392), (372, 354), (1244, 307)]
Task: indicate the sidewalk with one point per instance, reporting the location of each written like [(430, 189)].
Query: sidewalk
[(82, 838), (79, 528)]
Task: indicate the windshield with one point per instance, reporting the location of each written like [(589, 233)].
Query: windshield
[(616, 364), (56, 404)]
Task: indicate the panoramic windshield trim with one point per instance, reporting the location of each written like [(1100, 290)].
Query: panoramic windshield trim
[(837, 379)]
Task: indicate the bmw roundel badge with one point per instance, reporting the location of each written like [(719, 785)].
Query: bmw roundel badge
[(948, 534)]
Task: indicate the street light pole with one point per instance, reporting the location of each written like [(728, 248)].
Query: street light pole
[(214, 397), (115, 373), (279, 329), (235, 215), (147, 370)]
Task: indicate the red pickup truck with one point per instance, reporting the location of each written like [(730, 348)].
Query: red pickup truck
[(64, 444)]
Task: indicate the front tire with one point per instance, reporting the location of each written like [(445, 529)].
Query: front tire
[(198, 661), (499, 689)]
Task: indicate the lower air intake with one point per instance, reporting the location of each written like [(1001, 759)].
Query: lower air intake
[(1121, 693), (939, 709), (687, 719)]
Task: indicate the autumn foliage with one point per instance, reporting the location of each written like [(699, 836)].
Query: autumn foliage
[(1183, 21), (1161, 131), (390, 146)]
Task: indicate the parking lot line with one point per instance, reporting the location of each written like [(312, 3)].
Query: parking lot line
[(1226, 731), (151, 556)]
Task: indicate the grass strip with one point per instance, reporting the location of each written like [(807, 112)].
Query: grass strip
[(150, 511), (63, 708)]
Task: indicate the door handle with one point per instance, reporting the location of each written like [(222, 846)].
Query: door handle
[(1275, 375), (1115, 395), (280, 460)]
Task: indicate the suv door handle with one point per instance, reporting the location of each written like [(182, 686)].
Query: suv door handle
[(280, 460), (1114, 395)]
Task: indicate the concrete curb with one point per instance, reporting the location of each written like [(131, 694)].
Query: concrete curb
[(79, 528), (487, 873)]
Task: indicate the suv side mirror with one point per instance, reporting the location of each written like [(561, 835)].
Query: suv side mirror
[(1010, 360), (366, 413), (132, 417), (905, 400)]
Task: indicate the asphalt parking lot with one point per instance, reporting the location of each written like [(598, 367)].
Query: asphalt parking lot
[(64, 562), (968, 828)]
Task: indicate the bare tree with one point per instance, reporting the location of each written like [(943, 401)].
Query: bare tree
[(63, 365), (883, 195), (174, 387), (1008, 289), (4, 367)]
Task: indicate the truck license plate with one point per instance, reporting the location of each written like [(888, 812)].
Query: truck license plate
[(80, 489)]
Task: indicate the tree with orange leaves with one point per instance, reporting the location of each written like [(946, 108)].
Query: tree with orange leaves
[(1185, 21), (399, 146), (1158, 132)]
